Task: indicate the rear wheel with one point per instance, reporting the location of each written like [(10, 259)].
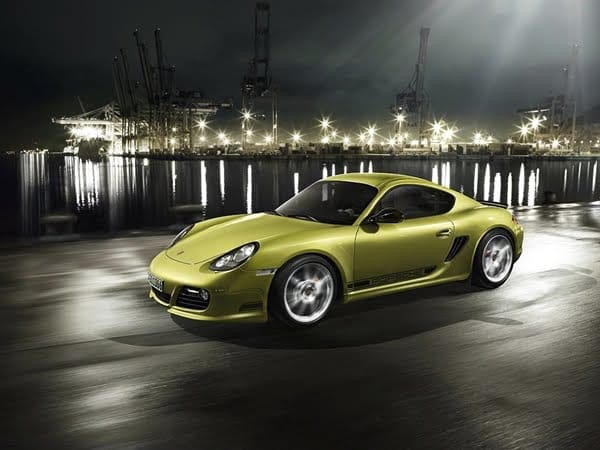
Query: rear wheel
[(494, 259), (303, 291)]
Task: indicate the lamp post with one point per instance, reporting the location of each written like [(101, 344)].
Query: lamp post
[(324, 124), (246, 116), (371, 131), (249, 134), (269, 141), (535, 124), (437, 130), (202, 124), (346, 141), (223, 140), (524, 132), (296, 138), (400, 118)]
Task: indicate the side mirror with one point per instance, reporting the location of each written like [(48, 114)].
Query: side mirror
[(386, 215)]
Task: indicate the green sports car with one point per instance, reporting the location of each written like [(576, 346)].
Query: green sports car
[(344, 238)]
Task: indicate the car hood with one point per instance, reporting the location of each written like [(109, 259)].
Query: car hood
[(216, 240)]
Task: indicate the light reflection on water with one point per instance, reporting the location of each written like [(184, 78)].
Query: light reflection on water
[(497, 187), (531, 189), (222, 179), (203, 188), (85, 177), (297, 182), (521, 184), (446, 181), (121, 193), (173, 177), (476, 180), (486, 183), (249, 190), (509, 189)]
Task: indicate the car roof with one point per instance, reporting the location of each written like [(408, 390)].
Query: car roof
[(376, 179)]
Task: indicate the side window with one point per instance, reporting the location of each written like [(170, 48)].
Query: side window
[(417, 201)]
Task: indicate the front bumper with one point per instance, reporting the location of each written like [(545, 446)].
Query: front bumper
[(235, 295)]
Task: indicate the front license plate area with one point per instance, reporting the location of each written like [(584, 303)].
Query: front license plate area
[(156, 283)]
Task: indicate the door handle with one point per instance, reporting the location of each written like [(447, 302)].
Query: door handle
[(444, 233)]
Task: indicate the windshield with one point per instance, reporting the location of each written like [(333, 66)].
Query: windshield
[(339, 202)]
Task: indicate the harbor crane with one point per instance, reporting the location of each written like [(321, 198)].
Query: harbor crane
[(257, 82), (413, 101)]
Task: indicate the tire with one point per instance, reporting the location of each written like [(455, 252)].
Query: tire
[(303, 291), (494, 260)]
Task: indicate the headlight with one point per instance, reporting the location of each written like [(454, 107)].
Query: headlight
[(181, 235), (234, 258)]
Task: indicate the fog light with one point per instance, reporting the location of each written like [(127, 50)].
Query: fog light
[(197, 292)]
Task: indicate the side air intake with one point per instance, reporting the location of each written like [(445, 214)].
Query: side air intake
[(457, 245)]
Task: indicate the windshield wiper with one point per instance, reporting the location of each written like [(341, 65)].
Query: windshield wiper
[(303, 216)]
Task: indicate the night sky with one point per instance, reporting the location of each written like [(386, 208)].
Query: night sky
[(341, 58)]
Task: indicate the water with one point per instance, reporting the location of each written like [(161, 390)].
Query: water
[(123, 194)]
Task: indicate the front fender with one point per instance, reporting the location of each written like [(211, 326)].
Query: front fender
[(335, 244)]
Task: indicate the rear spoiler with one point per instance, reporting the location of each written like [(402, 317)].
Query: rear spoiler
[(496, 204)]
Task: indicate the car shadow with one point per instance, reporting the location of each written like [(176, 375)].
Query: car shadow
[(361, 323), (385, 318)]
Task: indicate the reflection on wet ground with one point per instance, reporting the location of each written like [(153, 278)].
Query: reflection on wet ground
[(90, 361)]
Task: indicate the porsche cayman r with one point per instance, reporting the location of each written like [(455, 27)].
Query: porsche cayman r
[(344, 238)]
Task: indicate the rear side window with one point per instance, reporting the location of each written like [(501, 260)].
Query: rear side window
[(417, 201)]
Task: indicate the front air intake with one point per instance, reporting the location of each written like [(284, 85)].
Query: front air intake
[(162, 296), (193, 298)]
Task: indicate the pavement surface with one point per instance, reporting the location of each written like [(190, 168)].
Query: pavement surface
[(88, 361)]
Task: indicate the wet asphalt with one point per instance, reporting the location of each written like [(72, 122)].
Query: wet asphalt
[(88, 361)]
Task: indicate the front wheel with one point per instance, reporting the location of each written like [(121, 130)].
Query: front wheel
[(494, 260), (303, 291)]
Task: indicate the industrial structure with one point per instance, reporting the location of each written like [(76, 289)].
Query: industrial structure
[(155, 114), (412, 103), (148, 115), (102, 125), (257, 82), (554, 119)]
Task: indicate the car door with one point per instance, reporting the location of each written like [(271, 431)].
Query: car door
[(386, 253)]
